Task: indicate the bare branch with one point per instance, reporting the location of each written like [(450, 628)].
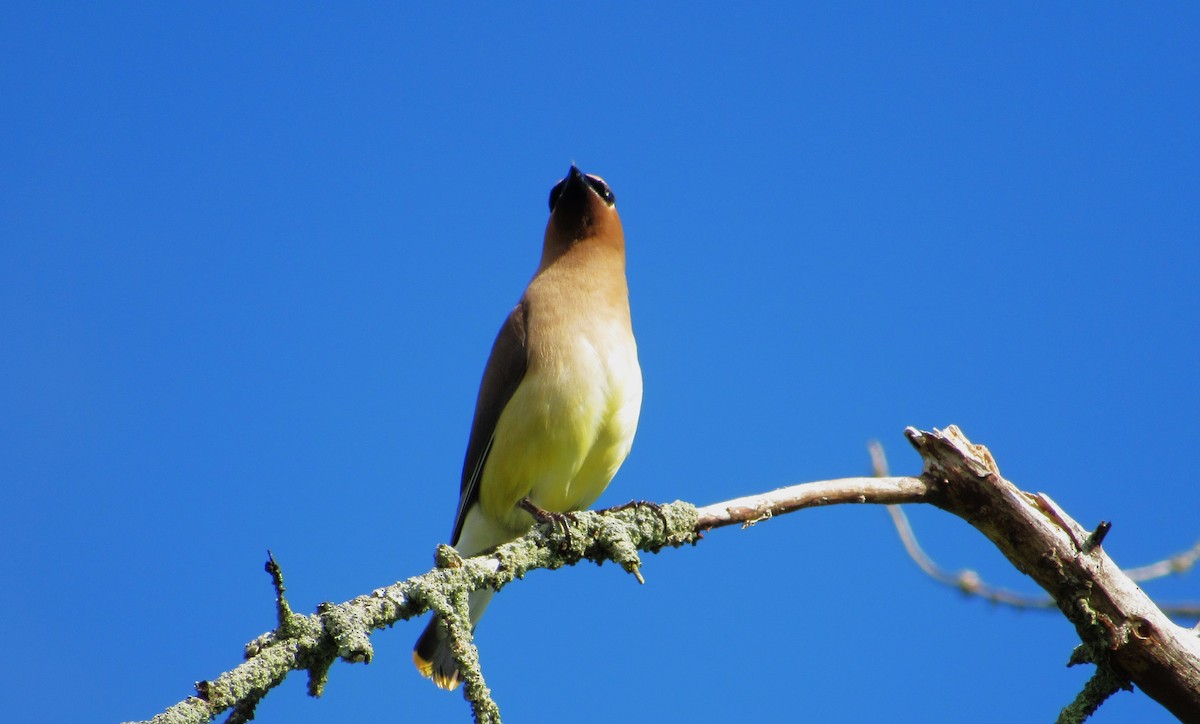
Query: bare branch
[(1176, 564), (969, 582), (756, 508), (1117, 623)]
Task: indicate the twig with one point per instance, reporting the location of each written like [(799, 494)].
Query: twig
[(1176, 564), (756, 508), (966, 580), (969, 581)]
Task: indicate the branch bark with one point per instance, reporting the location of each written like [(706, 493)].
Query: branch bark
[(1113, 617), (1121, 630)]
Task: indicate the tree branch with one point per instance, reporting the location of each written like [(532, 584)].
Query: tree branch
[(1121, 629), (970, 583), (756, 508), (1112, 616)]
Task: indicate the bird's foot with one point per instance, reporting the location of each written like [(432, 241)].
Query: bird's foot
[(556, 521), (656, 507)]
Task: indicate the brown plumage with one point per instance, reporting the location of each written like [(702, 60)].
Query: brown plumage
[(560, 396)]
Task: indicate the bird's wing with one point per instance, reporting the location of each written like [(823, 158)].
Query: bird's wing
[(503, 374)]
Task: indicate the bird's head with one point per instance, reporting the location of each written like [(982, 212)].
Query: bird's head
[(582, 208)]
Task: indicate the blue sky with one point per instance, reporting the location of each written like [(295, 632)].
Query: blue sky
[(252, 260)]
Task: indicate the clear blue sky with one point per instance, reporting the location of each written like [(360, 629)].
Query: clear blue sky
[(252, 261)]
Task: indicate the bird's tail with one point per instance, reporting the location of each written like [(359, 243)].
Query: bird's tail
[(432, 654), (433, 659)]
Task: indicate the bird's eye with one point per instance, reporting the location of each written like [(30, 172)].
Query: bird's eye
[(601, 188), (555, 193)]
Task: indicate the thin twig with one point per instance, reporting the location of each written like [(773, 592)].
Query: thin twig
[(966, 580), (971, 583), (1176, 564)]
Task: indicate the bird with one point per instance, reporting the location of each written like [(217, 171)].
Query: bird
[(560, 397)]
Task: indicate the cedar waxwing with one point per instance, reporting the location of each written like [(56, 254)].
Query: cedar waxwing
[(560, 396)]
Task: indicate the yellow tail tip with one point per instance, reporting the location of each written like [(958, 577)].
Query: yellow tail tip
[(449, 682), (425, 667)]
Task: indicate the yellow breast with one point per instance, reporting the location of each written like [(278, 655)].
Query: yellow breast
[(567, 428)]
